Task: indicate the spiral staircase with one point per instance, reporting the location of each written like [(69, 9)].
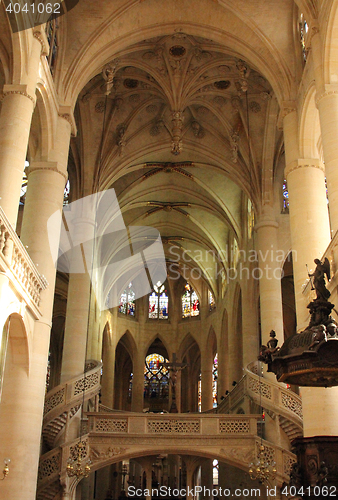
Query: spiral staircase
[(254, 391), (63, 407)]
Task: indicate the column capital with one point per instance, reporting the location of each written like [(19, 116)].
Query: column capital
[(41, 36), (287, 107), (45, 165), (304, 163), (18, 89), (330, 89), (66, 112)]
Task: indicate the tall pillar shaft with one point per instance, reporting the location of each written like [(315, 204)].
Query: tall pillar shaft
[(21, 413), (74, 346), (249, 325), (138, 384), (269, 278), (309, 224), (310, 235), (327, 103), (108, 372), (206, 381), (15, 121)]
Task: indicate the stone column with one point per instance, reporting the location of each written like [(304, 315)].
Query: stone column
[(269, 277), (206, 380), (15, 121), (108, 372), (249, 323), (310, 236), (327, 103), (21, 415), (74, 346), (138, 383), (309, 218)]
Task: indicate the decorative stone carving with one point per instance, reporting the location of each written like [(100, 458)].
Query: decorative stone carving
[(120, 137), (177, 127), (97, 454), (108, 74), (235, 426), (100, 107), (255, 107), (234, 140), (173, 426)]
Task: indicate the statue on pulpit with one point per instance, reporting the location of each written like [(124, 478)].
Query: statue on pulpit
[(322, 270)]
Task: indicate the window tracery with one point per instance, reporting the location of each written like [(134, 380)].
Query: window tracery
[(158, 302), (303, 29), (52, 35), (215, 472), (127, 301), (199, 397), (251, 219), (190, 302), (156, 377), (214, 381), (285, 192), (211, 300)]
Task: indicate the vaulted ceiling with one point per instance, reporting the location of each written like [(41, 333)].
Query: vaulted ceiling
[(176, 125)]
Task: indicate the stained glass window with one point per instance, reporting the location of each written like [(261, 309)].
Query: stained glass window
[(215, 472), (52, 27), (130, 391), (156, 377), (158, 302), (214, 381), (24, 185), (66, 193), (212, 303), (251, 219), (127, 301), (303, 29), (199, 404), (190, 302), (235, 254), (285, 209)]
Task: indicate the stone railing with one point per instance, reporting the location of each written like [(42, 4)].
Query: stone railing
[(271, 395), (14, 257), (117, 437), (67, 395), (172, 424)]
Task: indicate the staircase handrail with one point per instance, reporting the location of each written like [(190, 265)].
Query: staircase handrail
[(66, 395), (261, 390)]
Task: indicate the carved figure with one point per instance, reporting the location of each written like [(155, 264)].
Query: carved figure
[(296, 475), (266, 351), (323, 472), (318, 275), (319, 334)]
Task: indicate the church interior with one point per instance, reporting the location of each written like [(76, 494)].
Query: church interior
[(129, 358)]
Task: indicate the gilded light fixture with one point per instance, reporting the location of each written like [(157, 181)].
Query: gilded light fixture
[(5, 470), (75, 467), (262, 470)]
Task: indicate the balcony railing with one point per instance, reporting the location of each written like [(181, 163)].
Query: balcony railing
[(15, 261)]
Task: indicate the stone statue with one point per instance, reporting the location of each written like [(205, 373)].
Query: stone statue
[(270, 348), (318, 275)]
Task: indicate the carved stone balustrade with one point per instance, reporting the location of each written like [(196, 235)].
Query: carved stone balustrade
[(272, 396), (18, 266), (64, 401)]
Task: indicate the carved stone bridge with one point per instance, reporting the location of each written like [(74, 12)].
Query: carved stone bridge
[(113, 437)]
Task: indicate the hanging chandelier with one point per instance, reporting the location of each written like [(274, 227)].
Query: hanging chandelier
[(261, 469), (75, 467)]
